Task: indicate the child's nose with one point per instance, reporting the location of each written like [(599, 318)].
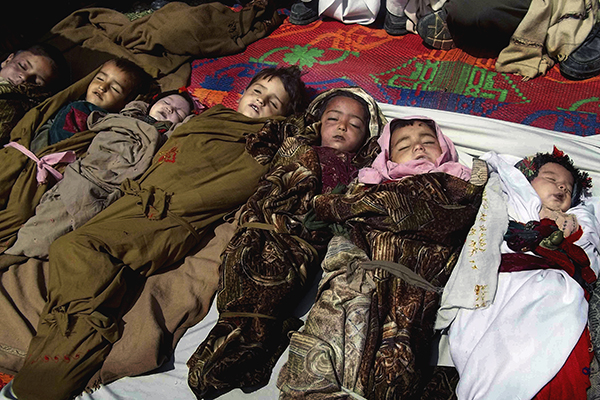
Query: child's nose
[(20, 79)]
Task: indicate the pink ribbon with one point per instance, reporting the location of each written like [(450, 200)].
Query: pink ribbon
[(44, 163)]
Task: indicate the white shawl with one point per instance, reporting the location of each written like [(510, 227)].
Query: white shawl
[(509, 342)]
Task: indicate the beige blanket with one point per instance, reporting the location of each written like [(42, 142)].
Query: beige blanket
[(549, 32), (162, 42), (171, 302)]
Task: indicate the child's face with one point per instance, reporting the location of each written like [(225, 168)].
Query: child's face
[(110, 88), (172, 108), (343, 124), (414, 142), (27, 67), (554, 185), (266, 97)]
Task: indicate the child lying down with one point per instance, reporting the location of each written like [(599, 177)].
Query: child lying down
[(55, 132), (274, 254), (122, 149), (370, 329), (217, 158), (528, 336)]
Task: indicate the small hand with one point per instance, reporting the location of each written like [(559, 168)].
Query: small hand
[(567, 223)]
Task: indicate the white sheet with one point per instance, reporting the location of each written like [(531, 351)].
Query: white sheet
[(511, 349), (472, 136)]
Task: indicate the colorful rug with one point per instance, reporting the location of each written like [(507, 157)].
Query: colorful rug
[(4, 379), (403, 71)]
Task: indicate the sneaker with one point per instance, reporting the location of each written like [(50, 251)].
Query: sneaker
[(584, 61), (433, 29), (303, 13), (394, 25)]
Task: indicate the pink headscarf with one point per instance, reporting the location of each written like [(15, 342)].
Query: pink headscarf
[(383, 169)]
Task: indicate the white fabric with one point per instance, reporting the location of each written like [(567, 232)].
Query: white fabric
[(523, 202), (511, 349), (363, 12), (472, 137), (588, 215), (473, 281)]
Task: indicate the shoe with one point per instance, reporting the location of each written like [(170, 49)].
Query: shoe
[(584, 61), (394, 25), (433, 29), (303, 13)]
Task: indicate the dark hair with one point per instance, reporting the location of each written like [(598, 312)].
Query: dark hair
[(141, 81), (291, 77), (58, 63), (401, 123), (319, 112), (183, 94), (530, 167)]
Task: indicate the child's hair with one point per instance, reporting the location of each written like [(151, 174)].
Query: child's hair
[(141, 81), (194, 108), (59, 64), (291, 77), (530, 167), (319, 112), (401, 123)]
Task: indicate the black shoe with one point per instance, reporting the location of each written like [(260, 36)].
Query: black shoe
[(584, 61), (434, 31), (303, 13), (394, 25)]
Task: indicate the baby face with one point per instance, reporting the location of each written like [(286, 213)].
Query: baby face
[(343, 124), (26, 67), (414, 142), (109, 88), (172, 108), (554, 185), (266, 97)]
